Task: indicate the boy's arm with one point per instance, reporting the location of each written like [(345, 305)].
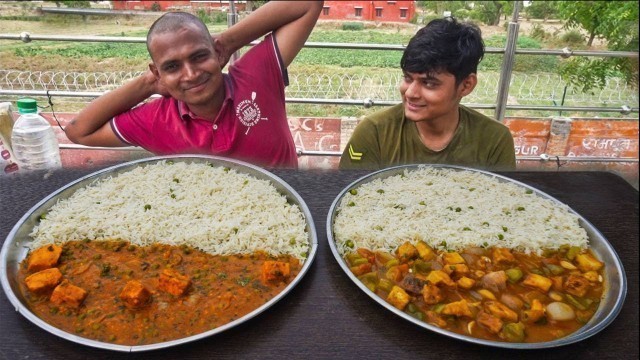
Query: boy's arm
[(363, 149), (91, 126), (291, 22)]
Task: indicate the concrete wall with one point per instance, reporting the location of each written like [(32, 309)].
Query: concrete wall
[(577, 137)]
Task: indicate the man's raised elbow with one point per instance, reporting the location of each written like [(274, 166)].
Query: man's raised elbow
[(72, 133)]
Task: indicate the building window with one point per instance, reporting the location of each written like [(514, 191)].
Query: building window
[(391, 2), (325, 10), (358, 12), (379, 12), (403, 13)]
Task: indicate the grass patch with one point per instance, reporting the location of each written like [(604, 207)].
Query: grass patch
[(21, 18), (93, 50)]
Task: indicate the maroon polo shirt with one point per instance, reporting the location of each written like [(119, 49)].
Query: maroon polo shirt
[(251, 125)]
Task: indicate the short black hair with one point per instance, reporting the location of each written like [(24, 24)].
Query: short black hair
[(173, 21), (444, 45)]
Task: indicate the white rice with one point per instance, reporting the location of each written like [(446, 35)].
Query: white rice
[(217, 210), (452, 209)]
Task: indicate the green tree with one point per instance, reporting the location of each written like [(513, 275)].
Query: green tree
[(541, 10), (614, 21), (439, 7), (489, 12)]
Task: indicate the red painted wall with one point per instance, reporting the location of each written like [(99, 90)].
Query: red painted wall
[(390, 11)]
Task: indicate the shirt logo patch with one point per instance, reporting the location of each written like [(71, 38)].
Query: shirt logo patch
[(357, 156), (249, 113)]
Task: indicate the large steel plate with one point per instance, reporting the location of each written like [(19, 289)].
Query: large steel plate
[(16, 245), (614, 277)]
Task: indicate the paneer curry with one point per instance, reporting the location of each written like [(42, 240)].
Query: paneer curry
[(115, 292), (489, 293)]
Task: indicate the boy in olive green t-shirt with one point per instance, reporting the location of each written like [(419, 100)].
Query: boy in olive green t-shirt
[(430, 126)]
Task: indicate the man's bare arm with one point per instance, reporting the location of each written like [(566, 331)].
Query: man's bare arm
[(291, 22), (91, 126)]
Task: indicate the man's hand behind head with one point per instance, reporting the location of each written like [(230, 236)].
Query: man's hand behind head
[(152, 82), (223, 52)]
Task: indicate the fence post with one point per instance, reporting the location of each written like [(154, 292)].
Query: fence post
[(232, 18), (507, 64)]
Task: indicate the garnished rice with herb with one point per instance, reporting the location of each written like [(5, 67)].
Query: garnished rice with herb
[(212, 208), (451, 209)]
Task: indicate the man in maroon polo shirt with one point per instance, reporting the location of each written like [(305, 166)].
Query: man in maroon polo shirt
[(240, 114)]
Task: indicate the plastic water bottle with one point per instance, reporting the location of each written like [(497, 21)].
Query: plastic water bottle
[(34, 142)]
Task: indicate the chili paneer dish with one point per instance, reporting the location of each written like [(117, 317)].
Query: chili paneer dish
[(162, 252), (470, 254)]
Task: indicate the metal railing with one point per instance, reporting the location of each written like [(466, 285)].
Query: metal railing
[(500, 106)]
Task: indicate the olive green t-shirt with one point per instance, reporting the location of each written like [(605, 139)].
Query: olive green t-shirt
[(387, 138)]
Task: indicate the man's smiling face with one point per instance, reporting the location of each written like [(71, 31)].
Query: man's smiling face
[(185, 63), (430, 96)]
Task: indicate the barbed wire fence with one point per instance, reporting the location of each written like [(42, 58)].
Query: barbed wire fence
[(530, 89)]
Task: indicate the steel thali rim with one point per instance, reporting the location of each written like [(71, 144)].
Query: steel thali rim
[(615, 269), (243, 167)]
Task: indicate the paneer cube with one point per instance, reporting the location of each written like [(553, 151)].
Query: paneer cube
[(135, 295), (587, 262), (489, 322), (466, 283), (538, 281), (456, 270), (431, 294), (398, 297), (557, 283), (502, 256), (501, 311), (406, 252), (439, 277), (277, 271), (457, 308), (44, 258), (576, 285), (425, 251), (452, 258), (434, 318), (43, 280), (395, 273), (68, 294), (173, 282)]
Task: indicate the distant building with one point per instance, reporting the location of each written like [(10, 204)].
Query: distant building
[(161, 5), (381, 11)]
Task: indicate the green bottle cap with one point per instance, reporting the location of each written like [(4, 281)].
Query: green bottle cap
[(27, 106)]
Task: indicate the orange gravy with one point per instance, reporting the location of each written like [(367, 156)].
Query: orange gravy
[(222, 289)]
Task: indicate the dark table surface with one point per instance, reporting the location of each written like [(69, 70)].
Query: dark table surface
[(326, 315)]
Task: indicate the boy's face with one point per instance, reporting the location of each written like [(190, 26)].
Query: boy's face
[(432, 96), (186, 64)]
